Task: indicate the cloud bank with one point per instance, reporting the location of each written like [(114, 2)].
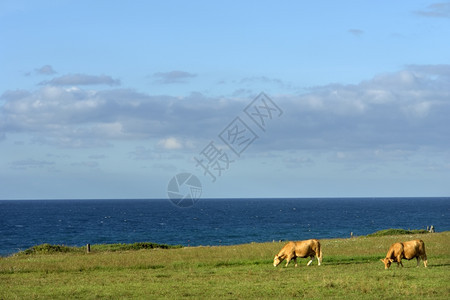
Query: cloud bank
[(403, 111)]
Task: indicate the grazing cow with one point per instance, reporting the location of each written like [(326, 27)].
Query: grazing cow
[(292, 250), (407, 250)]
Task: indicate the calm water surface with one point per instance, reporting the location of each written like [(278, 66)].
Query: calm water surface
[(26, 223)]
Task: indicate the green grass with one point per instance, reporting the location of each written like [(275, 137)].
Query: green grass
[(351, 269)]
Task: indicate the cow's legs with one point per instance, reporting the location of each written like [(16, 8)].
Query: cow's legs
[(310, 261), (425, 262), (399, 261), (295, 260), (287, 262), (288, 259), (319, 259), (418, 261)]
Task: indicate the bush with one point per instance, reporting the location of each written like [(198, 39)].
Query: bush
[(48, 249), (135, 246), (397, 232)]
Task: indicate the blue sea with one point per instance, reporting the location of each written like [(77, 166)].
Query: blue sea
[(25, 223)]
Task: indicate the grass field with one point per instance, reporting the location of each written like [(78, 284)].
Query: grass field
[(351, 269)]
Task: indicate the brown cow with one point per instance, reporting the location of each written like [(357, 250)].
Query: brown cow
[(292, 250), (407, 250)]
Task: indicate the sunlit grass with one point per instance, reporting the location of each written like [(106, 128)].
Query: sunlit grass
[(350, 267)]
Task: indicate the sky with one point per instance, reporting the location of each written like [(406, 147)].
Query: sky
[(113, 99)]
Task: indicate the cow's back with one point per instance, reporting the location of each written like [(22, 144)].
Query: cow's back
[(414, 249), (395, 250), (288, 249), (307, 248)]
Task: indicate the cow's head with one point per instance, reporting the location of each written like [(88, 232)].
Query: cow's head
[(276, 260), (387, 262)]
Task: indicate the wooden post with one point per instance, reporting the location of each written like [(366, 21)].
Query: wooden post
[(88, 248)]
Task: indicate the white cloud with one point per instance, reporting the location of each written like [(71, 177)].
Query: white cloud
[(420, 109), (297, 162), (377, 155), (436, 10), (407, 109), (46, 70), (170, 143), (31, 163), (109, 130), (81, 79), (173, 77), (261, 79), (86, 164)]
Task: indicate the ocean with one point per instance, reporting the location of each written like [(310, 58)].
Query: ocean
[(25, 223)]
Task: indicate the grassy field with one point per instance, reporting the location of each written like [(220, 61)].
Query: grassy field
[(351, 269)]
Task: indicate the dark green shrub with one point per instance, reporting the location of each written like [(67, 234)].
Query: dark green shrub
[(392, 231)]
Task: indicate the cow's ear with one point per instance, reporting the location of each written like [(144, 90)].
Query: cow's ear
[(382, 260), (391, 260)]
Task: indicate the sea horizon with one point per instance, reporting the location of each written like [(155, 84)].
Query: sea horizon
[(210, 221), (239, 198)]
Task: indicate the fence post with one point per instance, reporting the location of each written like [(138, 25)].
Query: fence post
[(88, 248)]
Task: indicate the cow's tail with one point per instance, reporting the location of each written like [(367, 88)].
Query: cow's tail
[(423, 253), (319, 253)]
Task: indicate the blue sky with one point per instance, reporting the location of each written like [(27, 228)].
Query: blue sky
[(111, 99)]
